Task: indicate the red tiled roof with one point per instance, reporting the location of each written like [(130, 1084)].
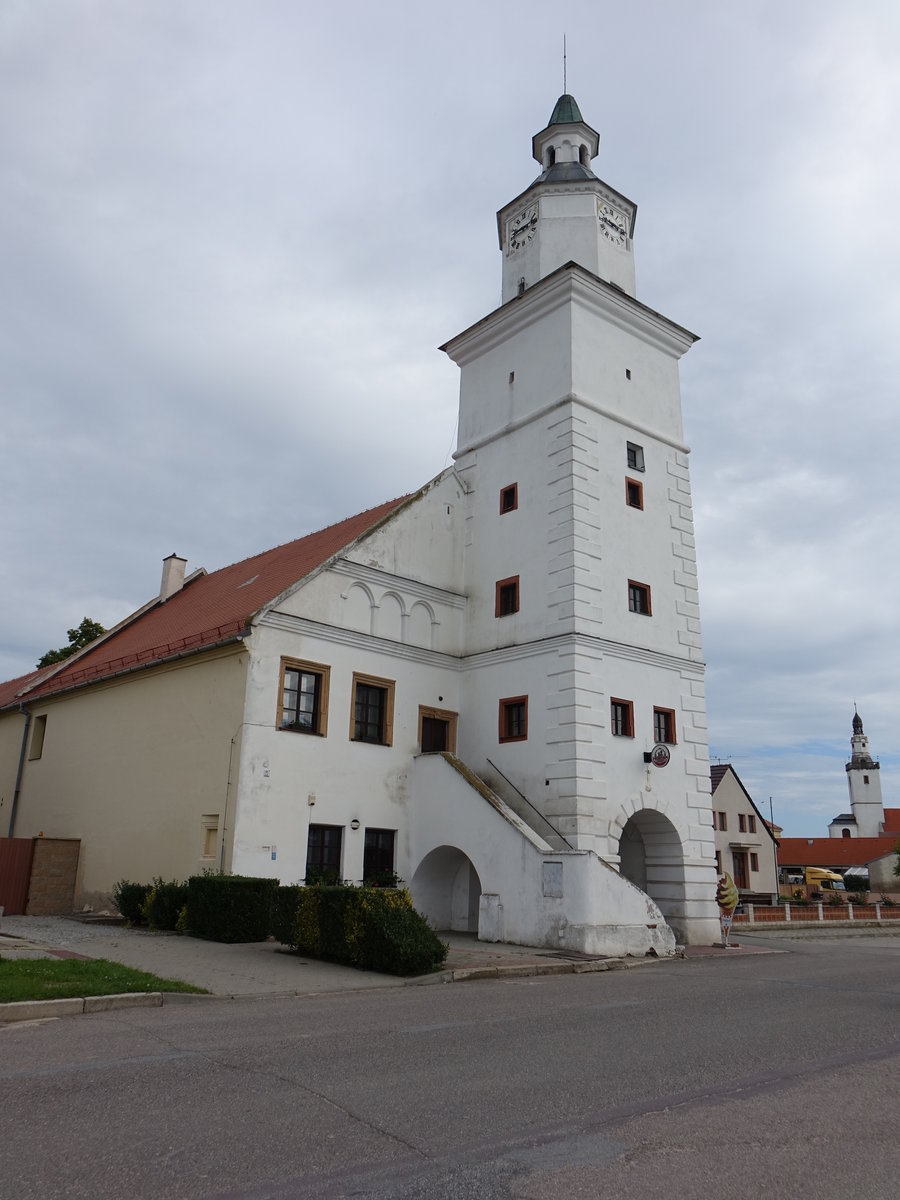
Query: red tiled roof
[(836, 853), (892, 820), (208, 610), (12, 687)]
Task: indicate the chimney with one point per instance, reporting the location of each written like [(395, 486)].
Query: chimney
[(172, 576)]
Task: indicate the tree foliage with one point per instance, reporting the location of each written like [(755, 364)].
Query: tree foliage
[(897, 863), (83, 635)]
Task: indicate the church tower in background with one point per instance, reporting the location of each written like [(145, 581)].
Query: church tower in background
[(864, 781)]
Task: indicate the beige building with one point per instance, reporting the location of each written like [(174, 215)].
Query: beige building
[(745, 846)]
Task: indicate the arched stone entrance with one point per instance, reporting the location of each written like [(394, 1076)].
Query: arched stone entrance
[(445, 887), (651, 857)]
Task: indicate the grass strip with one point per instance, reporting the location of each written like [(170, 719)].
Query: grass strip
[(61, 979)]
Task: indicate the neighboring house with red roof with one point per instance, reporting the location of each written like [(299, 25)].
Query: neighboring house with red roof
[(745, 843), (493, 687)]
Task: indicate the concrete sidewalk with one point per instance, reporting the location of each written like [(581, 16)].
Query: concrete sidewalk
[(266, 968)]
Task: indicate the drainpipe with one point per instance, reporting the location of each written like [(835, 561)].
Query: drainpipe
[(12, 816)]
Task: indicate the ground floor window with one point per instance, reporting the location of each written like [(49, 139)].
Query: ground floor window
[(323, 854), (378, 858)]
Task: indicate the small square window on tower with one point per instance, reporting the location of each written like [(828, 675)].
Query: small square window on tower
[(634, 493), (634, 456), (514, 719), (509, 498), (621, 718), (507, 597), (639, 598), (664, 725)]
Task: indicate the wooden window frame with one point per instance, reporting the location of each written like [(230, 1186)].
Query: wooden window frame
[(723, 822), (388, 686), (511, 489), (501, 586), (634, 483), (319, 728), (751, 823), (635, 461), (718, 862), (754, 861), (506, 704), (742, 823), (440, 714), (373, 873), (645, 589), (628, 705), (340, 867), (668, 715)]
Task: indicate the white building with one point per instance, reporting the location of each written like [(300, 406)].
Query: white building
[(464, 686), (866, 816)]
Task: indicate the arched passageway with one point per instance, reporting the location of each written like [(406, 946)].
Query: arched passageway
[(651, 857), (445, 887)]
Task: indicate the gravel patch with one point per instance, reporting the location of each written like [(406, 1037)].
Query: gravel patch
[(63, 932)]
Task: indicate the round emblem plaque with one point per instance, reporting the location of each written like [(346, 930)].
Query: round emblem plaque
[(660, 755)]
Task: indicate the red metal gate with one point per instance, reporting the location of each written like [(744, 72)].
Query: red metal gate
[(15, 873)]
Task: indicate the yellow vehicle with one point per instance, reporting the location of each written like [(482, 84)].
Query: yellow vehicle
[(823, 880)]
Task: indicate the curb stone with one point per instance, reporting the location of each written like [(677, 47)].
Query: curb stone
[(37, 1010), (524, 970)]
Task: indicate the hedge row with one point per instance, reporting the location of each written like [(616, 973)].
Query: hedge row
[(375, 929), (158, 904)]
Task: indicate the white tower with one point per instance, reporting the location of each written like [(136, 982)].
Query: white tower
[(864, 781), (580, 565)]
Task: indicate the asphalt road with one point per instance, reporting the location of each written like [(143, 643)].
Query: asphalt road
[(765, 1076)]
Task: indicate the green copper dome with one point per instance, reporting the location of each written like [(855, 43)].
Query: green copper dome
[(565, 112)]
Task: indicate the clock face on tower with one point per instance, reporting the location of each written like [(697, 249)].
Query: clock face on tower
[(521, 229), (612, 223)]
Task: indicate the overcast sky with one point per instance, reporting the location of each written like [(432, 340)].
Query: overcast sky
[(233, 234)]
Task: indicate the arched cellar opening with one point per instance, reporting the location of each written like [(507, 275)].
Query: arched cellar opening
[(446, 889), (651, 857)]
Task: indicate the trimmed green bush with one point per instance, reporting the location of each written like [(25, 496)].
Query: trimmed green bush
[(129, 899), (376, 929), (163, 904), (399, 941), (230, 908), (284, 912)]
